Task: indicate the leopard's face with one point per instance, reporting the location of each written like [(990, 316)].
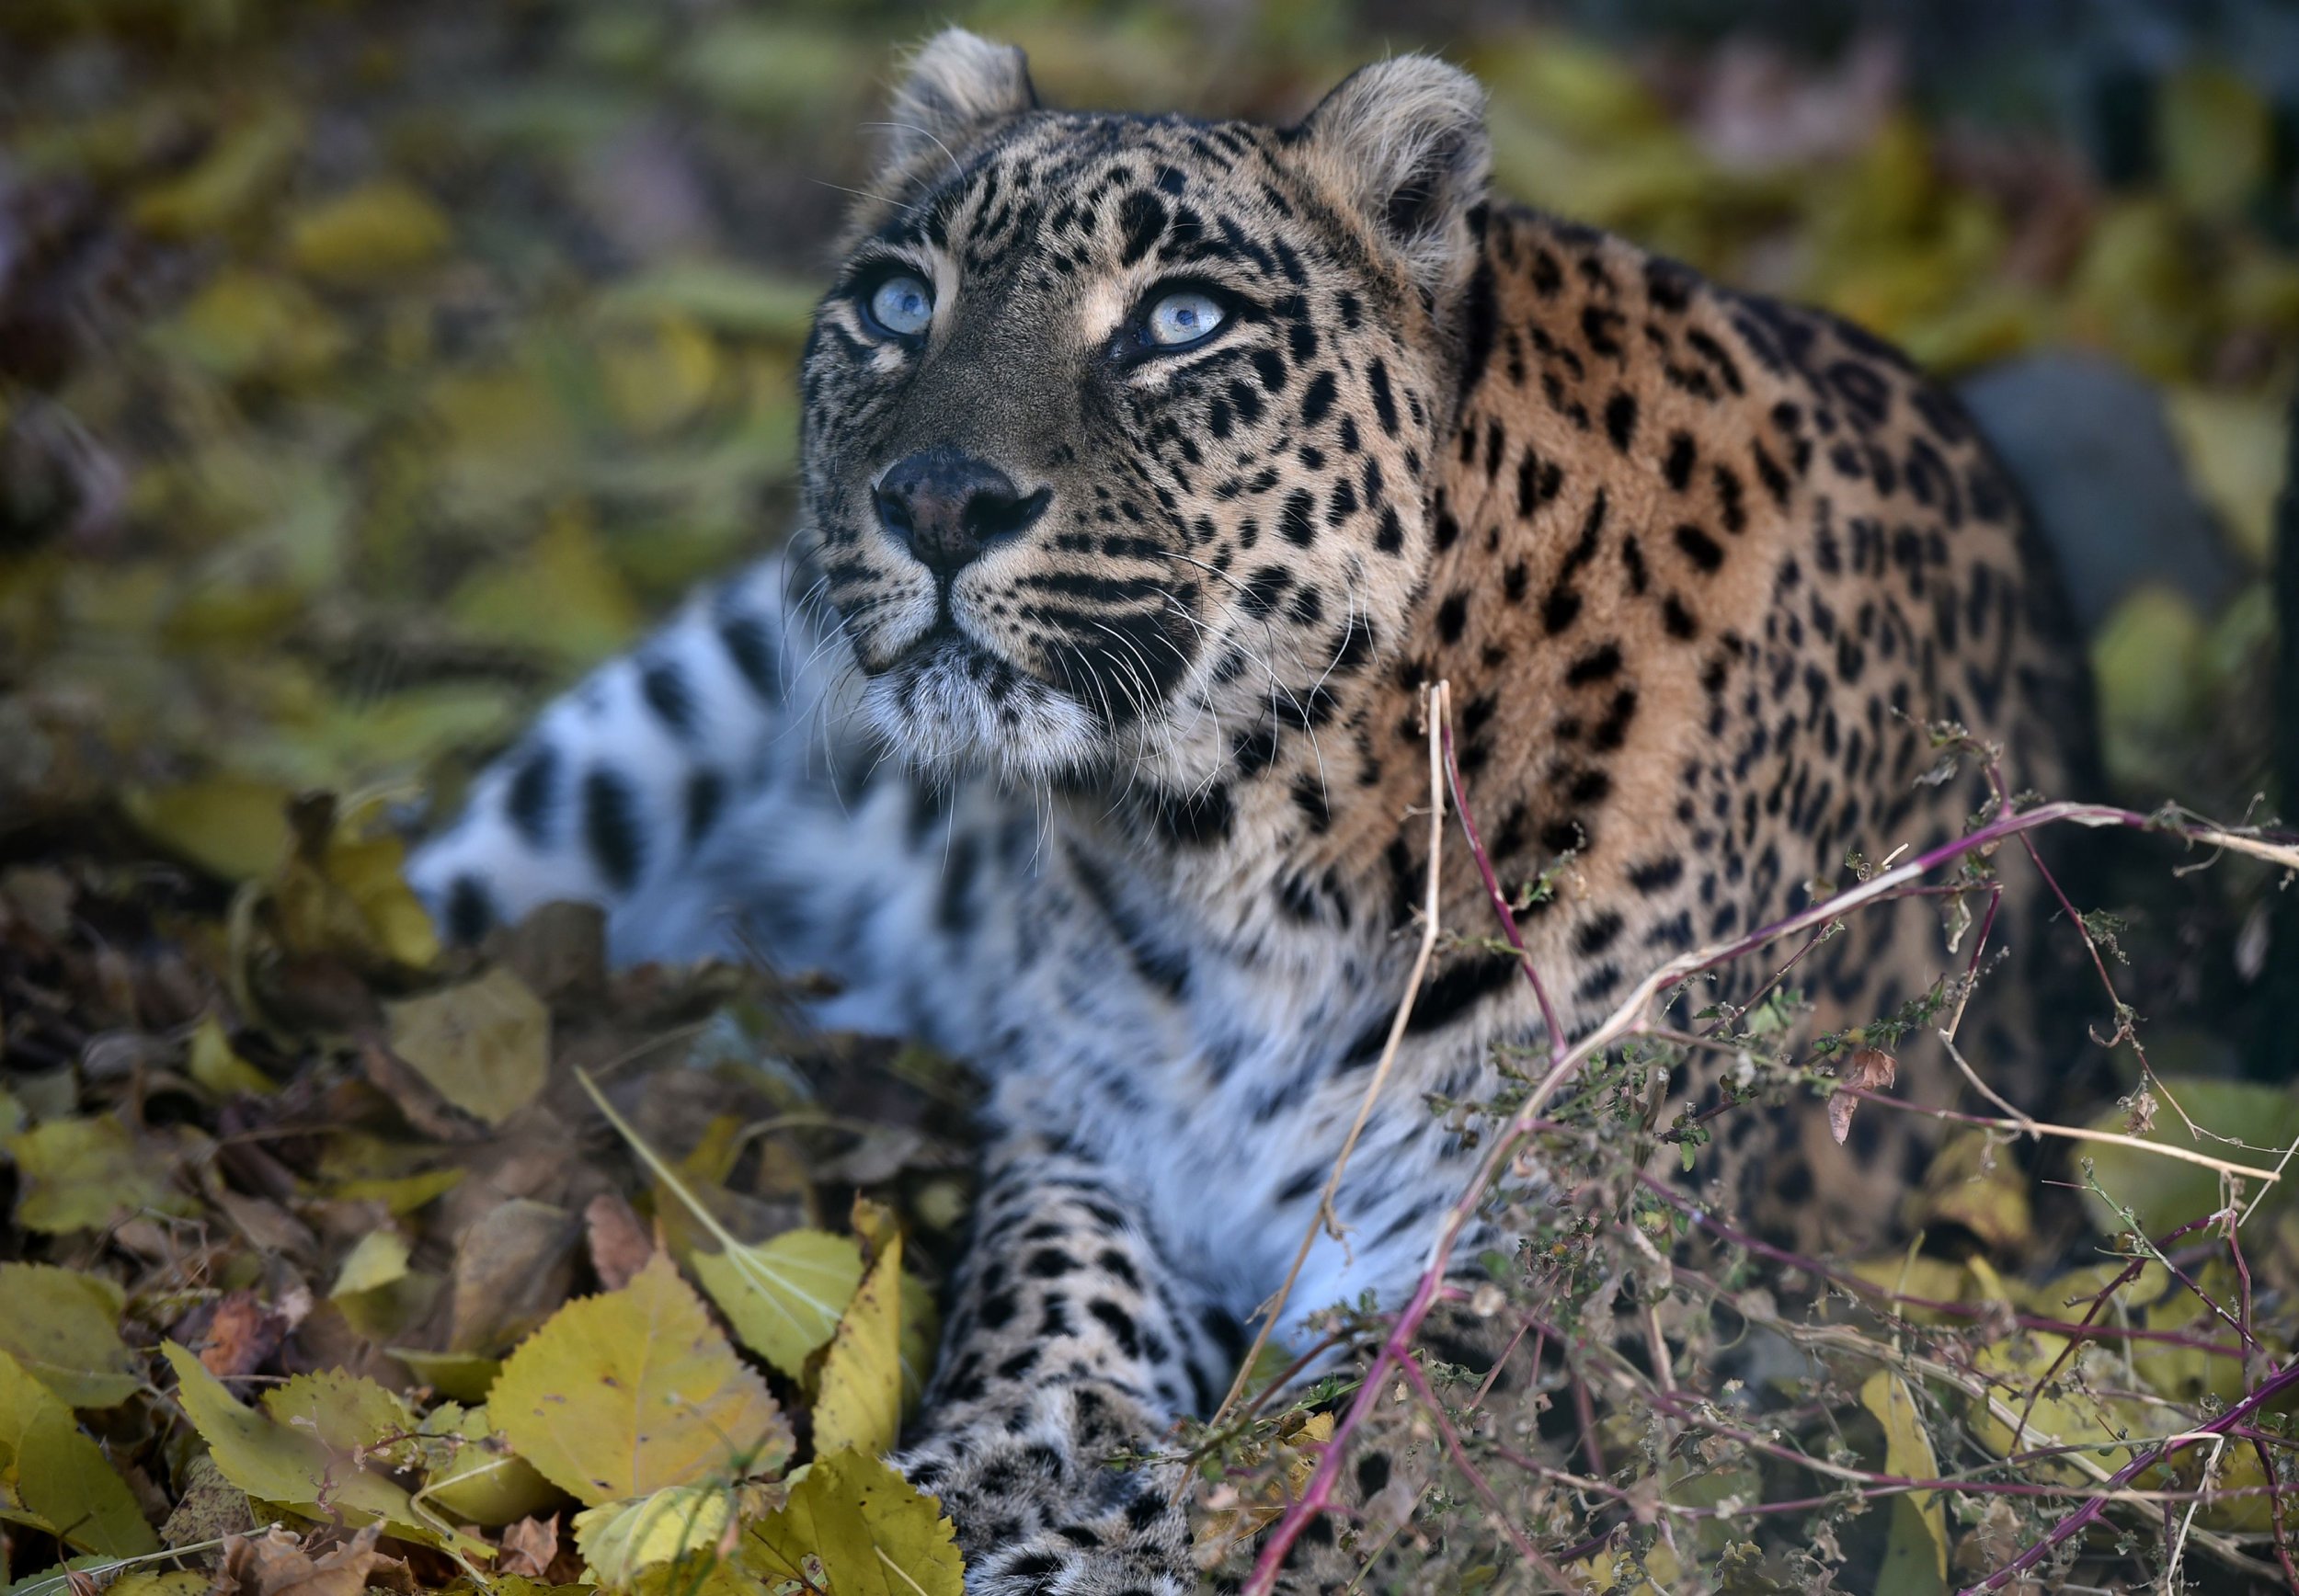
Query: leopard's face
[(1115, 427)]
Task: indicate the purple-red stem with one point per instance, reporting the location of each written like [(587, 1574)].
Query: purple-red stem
[(2272, 1386), (1851, 1282), (1626, 1021)]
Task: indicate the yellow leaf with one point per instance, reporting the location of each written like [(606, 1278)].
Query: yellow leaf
[(80, 1174), (660, 376), (217, 1066), (1915, 1555), (622, 1394), (2135, 290), (1933, 1279), (860, 1405), (229, 827), (400, 1194), (240, 171), (735, 299), (2233, 446), (247, 327), (1962, 1187), (377, 230), (869, 1531), (784, 1296), (1992, 1286), (2068, 1415), (62, 1327), (485, 1044), (921, 1332), (621, 1540), (143, 1583), (59, 1475), (371, 870), (379, 1259), (562, 596), (2188, 1373), (1608, 1573)]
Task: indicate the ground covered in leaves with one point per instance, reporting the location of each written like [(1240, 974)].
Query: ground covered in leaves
[(367, 369)]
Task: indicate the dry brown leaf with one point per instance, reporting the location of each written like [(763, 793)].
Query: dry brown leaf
[(620, 1245), (513, 1267), (528, 1544), (1872, 1069), (276, 1564), (242, 1337), (413, 1097)]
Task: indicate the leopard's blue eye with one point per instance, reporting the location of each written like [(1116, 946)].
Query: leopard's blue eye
[(1183, 318), (902, 306)]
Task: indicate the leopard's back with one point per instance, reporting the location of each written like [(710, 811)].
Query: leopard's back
[(1711, 572)]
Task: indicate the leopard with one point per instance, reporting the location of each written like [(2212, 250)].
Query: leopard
[(1152, 470)]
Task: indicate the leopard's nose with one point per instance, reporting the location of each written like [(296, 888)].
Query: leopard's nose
[(946, 506)]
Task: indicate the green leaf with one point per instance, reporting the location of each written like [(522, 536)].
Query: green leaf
[(64, 1327), (2216, 136), (870, 1532), (621, 1540), (1915, 1555), (624, 1393), (466, 1376), (347, 1413), (485, 1044), (296, 1467), (59, 1475), (471, 1474)]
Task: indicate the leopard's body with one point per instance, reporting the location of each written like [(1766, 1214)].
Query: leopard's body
[(1146, 848)]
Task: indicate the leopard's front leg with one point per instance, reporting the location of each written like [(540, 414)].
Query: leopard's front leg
[(1072, 1342)]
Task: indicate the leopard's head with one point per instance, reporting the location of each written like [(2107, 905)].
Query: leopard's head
[(1116, 426)]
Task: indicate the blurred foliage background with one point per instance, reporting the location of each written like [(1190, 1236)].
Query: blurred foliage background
[(368, 367)]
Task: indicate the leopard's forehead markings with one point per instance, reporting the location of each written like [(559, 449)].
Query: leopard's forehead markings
[(1061, 190)]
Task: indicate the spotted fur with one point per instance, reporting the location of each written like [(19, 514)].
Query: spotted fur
[(1122, 809)]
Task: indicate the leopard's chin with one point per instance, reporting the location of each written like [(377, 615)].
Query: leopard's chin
[(950, 704)]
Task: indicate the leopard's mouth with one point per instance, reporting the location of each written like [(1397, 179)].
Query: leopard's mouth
[(948, 701)]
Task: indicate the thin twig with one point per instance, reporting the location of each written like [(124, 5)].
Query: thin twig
[(2071, 1133), (1435, 704)]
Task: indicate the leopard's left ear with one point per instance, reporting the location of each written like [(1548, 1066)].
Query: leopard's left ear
[(959, 84), (1404, 141)]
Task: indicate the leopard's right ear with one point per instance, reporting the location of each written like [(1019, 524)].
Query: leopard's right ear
[(1403, 142), (959, 84)]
